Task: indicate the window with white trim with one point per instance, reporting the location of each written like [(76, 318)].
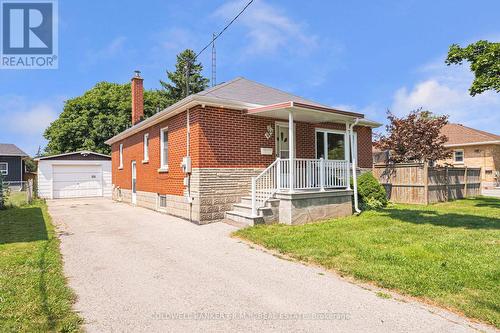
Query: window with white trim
[(164, 148), (4, 168), (146, 148), (332, 144), (458, 156), (121, 156)]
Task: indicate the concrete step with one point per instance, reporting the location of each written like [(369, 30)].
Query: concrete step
[(244, 218), (245, 208), (270, 203)]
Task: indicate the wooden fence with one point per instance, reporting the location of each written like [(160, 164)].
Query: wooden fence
[(418, 183)]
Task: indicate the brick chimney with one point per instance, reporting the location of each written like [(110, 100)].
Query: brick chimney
[(137, 98)]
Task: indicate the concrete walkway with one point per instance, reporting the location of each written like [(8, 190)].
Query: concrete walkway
[(136, 270)]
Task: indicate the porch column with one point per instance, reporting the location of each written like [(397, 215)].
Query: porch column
[(348, 153), (291, 149)]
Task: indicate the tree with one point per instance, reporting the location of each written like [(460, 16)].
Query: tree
[(415, 138), (484, 58), (197, 82), (100, 113)]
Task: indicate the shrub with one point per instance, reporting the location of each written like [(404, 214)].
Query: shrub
[(371, 194)]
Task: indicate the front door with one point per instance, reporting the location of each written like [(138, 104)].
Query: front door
[(282, 141), (134, 183)]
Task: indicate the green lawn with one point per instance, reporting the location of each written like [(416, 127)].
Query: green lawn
[(447, 253), (34, 296)]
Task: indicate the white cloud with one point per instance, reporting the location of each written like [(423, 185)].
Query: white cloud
[(444, 90), (109, 51), (268, 28), (23, 122)]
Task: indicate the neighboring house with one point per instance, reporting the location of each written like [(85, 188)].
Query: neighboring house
[(196, 158), (475, 148), (12, 163), (470, 147), (79, 174)]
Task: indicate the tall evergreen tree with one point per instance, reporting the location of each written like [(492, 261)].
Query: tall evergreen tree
[(176, 88)]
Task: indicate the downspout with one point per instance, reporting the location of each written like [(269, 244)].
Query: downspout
[(188, 139), (354, 174)]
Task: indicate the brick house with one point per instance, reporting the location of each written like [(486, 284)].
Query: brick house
[(225, 153), (475, 148)]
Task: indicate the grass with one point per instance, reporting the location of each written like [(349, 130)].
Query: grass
[(447, 254), (34, 296)]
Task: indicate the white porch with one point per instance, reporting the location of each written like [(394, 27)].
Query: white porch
[(292, 175)]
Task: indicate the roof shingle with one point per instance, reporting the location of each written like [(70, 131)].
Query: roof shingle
[(460, 134), (9, 149), (248, 91)]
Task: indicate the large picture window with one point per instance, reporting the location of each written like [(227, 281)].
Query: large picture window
[(164, 148), (331, 145)]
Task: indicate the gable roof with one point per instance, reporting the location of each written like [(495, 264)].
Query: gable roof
[(9, 149), (82, 154), (459, 134), (239, 94), (248, 91)]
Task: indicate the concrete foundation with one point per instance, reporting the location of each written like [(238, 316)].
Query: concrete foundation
[(304, 207)]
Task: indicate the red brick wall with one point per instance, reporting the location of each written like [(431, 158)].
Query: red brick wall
[(231, 139), (148, 177), (219, 138)]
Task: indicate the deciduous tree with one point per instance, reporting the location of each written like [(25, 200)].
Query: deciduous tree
[(415, 138), (484, 58), (100, 113)]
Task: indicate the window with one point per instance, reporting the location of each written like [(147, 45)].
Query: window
[(4, 168), (162, 202), (331, 145), (146, 148), (164, 149), (458, 156), (121, 156)]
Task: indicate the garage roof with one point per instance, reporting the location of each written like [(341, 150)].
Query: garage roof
[(77, 155)]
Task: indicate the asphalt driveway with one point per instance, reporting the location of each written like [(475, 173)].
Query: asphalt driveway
[(135, 270)]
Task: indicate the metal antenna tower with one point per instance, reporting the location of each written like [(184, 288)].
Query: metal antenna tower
[(214, 62)]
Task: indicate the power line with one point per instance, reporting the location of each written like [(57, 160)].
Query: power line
[(225, 28), (212, 42)]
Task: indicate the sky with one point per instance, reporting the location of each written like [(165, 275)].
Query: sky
[(363, 56)]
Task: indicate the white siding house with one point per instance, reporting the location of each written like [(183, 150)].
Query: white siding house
[(74, 175)]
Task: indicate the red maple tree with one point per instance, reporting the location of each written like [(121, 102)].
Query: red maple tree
[(415, 138)]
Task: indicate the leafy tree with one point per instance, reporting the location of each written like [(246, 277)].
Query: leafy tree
[(100, 113), (30, 165), (484, 58), (197, 82), (415, 138)]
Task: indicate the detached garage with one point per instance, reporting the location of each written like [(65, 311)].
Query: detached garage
[(82, 174)]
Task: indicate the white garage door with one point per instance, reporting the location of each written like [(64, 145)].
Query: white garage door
[(74, 181)]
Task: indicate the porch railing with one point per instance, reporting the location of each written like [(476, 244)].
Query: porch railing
[(309, 174)]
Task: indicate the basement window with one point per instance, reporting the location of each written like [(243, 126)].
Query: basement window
[(162, 202)]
